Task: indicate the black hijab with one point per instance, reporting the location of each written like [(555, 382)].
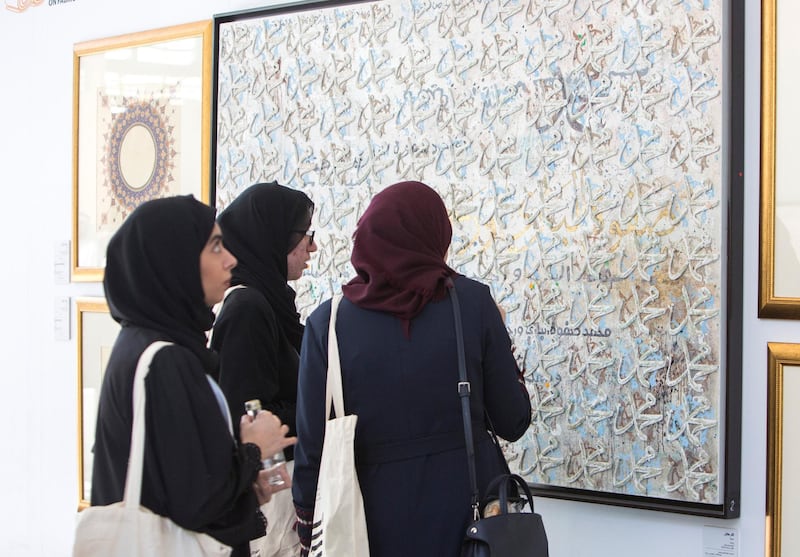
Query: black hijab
[(261, 226), (152, 276)]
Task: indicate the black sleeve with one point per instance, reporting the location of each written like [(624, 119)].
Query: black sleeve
[(196, 472)]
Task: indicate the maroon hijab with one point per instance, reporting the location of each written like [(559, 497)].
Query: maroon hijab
[(399, 248)]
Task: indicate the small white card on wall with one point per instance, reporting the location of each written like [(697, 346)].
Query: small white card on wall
[(61, 318), (720, 542), (61, 262)]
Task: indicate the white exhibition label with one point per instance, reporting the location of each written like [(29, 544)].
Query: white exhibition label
[(720, 542)]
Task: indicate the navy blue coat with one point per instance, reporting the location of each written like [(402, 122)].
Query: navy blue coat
[(410, 453)]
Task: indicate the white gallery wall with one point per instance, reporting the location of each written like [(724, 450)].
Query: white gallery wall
[(38, 467)]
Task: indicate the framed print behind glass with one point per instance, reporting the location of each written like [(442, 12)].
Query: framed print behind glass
[(141, 130), (97, 332), (783, 450), (779, 287)]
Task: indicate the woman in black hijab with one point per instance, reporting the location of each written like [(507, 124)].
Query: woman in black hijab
[(258, 332), (166, 266)]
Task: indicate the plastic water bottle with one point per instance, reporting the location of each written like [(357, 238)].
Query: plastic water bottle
[(276, 461)]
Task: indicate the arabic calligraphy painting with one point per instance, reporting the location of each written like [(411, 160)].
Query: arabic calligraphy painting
[(578, 147)]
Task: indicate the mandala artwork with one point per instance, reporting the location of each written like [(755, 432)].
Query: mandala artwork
[(138, 157)]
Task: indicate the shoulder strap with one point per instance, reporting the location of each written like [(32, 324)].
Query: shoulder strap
[(333, 387), (133, 480), (464, 392)]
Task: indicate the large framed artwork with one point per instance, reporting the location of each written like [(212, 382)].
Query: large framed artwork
[(783, 450), (141, 121), (779, 289), (590, 157), (97, 332)]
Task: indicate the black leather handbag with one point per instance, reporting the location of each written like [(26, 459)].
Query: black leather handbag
[(507, 534)]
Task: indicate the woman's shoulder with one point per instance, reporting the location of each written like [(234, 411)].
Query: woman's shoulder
[(245, 301), (168, 356), (140, 338), (175, 366), (242, 295), (172, 351), (474, 297), (132, 344), (321, 314), (470, 287)]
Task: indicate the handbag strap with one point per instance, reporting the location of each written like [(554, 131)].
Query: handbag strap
[(333, 386), (496, 442), (133, 480), (463, 393)]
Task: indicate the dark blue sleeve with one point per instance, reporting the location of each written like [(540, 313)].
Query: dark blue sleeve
[(505, 397), (311, 407)]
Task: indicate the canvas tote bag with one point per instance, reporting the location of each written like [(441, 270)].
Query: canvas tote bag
[(339, 528), (126, 529)]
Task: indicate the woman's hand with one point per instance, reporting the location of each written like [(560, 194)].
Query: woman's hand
[(266, 431)]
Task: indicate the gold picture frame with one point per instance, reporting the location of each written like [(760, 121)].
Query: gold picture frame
[(783, 449), (141, 130), (96, 334), (779, 290)]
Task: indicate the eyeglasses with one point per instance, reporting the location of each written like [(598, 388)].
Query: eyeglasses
[(308, 233)]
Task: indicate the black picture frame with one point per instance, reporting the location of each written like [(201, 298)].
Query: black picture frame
[(491, 244)]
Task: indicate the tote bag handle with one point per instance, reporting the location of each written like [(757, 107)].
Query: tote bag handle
[(133, 480), (333, 387)]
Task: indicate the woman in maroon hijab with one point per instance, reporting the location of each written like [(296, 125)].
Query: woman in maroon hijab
[(399, 369)]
